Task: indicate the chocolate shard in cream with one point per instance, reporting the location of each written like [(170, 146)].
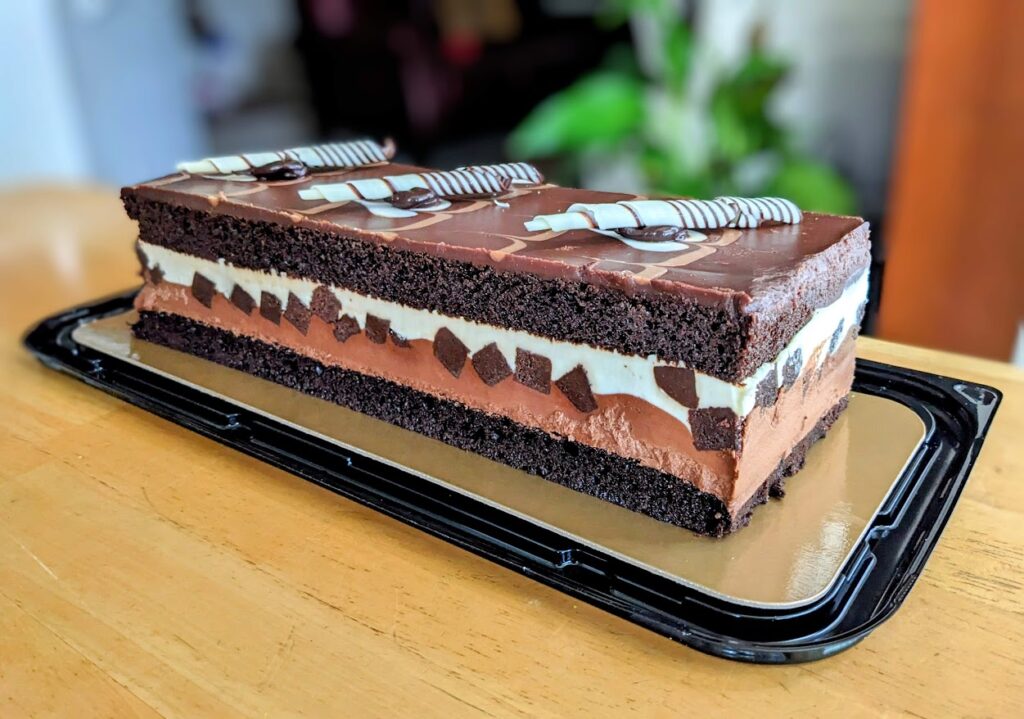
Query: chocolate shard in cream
[(242, 299), (533, 371), (450, 351), (681, 372), (377, 329), (325, 304), (202, 289), (576, 387), (680, 383), (490, 364), (297, 313), (344, 327), (270, 307)]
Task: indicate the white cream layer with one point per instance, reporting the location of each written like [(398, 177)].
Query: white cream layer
[(609, 372)]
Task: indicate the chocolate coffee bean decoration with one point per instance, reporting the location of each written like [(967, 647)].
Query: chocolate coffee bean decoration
[(280, 170), (654, 233), (416, 197)]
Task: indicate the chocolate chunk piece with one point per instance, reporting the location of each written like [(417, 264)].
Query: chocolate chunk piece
[(716, 428), (377, 329), (203, 289), (679, 383), (270, 307), (397, 339), (416, 197), (345, 327), (242, 300), (833, 342), (767, 390), (490, 365), (654, 233), (791, 370), (280, 170), (143, 262), (533, 371), (450, 351), (297, 313), (325, 304), (576, 388), (152, 275)]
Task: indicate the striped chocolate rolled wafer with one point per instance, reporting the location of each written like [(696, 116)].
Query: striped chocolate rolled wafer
[(701, 214), (452, 184), (755, 211), (328, 156), (714, 214), (518, 172), (691, 214)]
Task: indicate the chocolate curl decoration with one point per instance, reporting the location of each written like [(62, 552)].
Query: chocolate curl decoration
[(691, 214), (517, 172), (754, 211), (452, 184), (329, 156)]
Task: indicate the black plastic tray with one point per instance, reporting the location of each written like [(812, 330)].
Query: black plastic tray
[(871, 586)]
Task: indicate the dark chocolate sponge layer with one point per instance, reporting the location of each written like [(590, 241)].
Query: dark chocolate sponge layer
[(716, 338), (615, 479)]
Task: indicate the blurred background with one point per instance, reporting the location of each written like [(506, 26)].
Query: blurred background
[(905, 112)]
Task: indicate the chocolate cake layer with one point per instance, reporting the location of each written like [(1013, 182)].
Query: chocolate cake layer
[(578, 466), (723, 306)]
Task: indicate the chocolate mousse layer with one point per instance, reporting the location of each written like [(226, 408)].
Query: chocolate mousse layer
[(724, 304), (707, 453), (576, 465)]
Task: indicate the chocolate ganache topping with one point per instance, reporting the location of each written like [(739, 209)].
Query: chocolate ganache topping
[(654, 233), (733, 265), (416, 197), (280, 170)]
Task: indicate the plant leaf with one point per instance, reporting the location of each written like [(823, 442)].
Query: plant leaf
[(597, 111), (678, 52), (739, 108), (813, 186)]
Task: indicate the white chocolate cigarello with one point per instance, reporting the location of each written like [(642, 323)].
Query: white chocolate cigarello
[(752, 211), (692, 214), (518, 172), (357, 153), (453, 183)]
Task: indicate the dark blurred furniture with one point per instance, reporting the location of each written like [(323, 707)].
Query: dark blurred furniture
[(431, 72)]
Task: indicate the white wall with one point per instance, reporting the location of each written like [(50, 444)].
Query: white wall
[(97, 89), (41, 133)]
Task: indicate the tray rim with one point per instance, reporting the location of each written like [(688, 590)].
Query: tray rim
[(576, 570)]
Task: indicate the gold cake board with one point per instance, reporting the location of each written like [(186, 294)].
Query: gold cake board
[(790, 554)]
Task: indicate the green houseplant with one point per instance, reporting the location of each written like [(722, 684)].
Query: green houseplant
[(645, 117)]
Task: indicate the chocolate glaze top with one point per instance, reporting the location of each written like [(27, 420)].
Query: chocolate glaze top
[(747, 268)]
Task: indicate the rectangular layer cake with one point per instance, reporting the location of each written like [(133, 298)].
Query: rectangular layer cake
[(675, 357)]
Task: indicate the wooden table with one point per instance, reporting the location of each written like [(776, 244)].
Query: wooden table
[(146, 571)]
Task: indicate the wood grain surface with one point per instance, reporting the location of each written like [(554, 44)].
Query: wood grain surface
[(146, 571)]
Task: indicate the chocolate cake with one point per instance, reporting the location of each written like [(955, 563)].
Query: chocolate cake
[(676, 357)]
